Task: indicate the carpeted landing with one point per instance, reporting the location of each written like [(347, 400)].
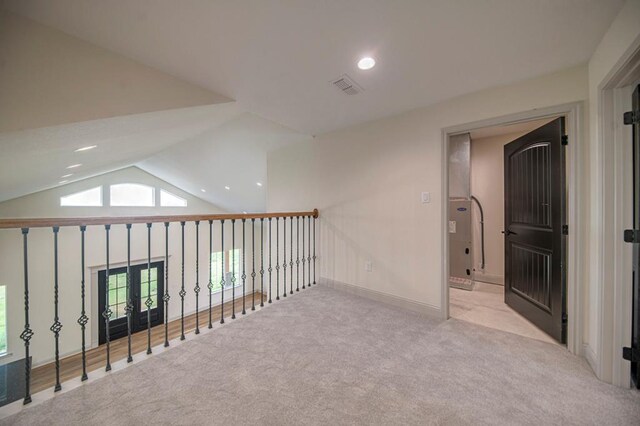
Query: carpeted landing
[(331, 358)]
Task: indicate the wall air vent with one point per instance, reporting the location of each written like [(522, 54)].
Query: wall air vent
[(347, 86)]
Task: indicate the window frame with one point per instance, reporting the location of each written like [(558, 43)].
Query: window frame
[(99, 187)]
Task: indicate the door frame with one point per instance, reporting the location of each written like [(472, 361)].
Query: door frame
[(574, 171), (611, 268)]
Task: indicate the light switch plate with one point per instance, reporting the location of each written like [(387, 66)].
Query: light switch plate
[(368, 266), (426, 197)]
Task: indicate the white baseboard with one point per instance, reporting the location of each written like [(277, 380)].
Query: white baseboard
[(488, 278), (592, 358), (400, 302)]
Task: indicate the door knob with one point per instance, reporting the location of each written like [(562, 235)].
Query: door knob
[(509, 232)]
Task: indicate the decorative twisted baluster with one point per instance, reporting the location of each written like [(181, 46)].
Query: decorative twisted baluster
[(27, 333), (233, 269), (253, 264), (56, 326), (284, 257), (129, 305), (291, 257), (210, 285), (222, 281), (309, 254), (270, 268), (196, 289), (277, 258), (106, 314), (244, 263), (298, 253), (314, 250), (261, 262), (83, 319), (303, 258), (149, 302), (182, 292), (166, 296)]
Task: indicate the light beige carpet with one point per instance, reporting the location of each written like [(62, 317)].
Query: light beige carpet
[(327, 357)]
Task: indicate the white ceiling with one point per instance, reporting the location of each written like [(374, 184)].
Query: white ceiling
[(276, 58), (233, 154), (36, 159)]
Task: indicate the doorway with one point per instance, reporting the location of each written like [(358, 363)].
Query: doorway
[(141, 283), (509, 271)]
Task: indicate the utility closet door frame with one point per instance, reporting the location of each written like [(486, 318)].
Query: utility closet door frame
[(572, 113)]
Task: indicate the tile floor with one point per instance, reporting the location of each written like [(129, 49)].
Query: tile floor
[(485, 306)]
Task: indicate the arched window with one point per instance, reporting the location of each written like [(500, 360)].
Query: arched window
[(168, 199), (132, 195), (88, 198)]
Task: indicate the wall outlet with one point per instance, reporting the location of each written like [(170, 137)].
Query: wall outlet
[(368, 266), (426, 197)]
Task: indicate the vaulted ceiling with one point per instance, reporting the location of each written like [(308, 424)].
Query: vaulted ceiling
[(239, 78)]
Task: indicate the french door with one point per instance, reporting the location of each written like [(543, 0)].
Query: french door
[(140, 284)]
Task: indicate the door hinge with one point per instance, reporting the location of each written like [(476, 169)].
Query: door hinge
[(632, 235), (565, 318), (631, 354), (632, 117), (565, 140), (565, 229)]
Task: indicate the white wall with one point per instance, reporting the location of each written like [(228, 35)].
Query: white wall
[(48, 77), (46, 204), (367, 179)]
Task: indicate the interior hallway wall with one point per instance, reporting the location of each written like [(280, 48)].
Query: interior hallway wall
[(367, 182)]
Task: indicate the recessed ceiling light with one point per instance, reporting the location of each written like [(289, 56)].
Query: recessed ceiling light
[(259, 183), (63, 181), (227, 188), (203, 190), (73, 166), (66, 176), (85, 148), (366, 63)]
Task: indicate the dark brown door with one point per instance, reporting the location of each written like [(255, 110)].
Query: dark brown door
[(534, 168)]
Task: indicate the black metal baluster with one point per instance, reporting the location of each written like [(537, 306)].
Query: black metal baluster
[(166, 296), (291, 257), (56, 326), (303, 258), (261, 262), (210, 285), (314, 250), (222, 280), (182, 292), (284, 257), (277, 258), (298, 253), (129, 305), (309, 254), (27, 333), (244, 265), (196, 289), (149, 301), (270, 269), (83, 319), (253, 264), (106, 314), (233, 269)]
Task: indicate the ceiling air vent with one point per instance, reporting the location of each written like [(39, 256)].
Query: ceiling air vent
[(347, 86)]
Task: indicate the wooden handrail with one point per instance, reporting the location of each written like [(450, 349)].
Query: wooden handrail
[(123, 220)]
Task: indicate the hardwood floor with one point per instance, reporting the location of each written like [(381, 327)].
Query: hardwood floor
[(43, 376)]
